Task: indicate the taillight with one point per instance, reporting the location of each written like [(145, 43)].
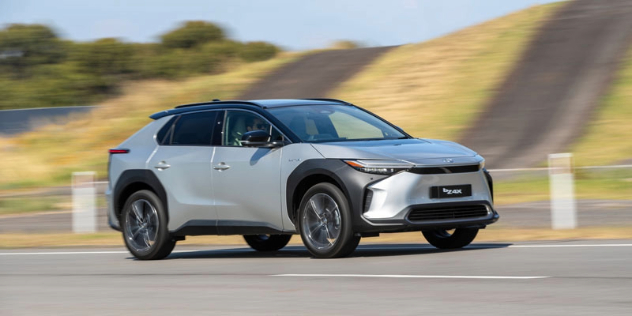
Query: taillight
[(119, 151)]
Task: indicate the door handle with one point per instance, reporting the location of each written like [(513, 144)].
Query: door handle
[(162, 165), (221, 166)]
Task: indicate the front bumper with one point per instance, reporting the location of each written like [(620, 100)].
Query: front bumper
[(390, 203)]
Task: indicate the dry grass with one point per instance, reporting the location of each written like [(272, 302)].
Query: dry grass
[(607, 138), (48, 155), (436, 89), (491, 234)]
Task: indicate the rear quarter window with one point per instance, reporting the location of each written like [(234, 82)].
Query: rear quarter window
[(165, 132)]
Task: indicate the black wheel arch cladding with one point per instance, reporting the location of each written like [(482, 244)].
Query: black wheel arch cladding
[(137, 178), (351, 182)]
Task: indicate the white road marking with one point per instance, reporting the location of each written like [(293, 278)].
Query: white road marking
[(413, 276), (61, 253), (570, 246), (492, 246)]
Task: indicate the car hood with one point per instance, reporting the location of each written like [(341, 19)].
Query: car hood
[(416, 151)]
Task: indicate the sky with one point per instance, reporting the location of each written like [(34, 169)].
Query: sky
[(291, 24)]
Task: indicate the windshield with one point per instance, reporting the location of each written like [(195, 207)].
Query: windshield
[(333, 123)]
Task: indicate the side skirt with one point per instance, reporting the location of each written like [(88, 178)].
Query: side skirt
[(225, 227)]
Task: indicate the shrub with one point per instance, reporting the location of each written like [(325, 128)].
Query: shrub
[(191, 34), (258, 51), (107, 56)]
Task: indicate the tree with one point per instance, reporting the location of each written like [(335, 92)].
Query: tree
[(23, 45), (107, 56), (191, 34)]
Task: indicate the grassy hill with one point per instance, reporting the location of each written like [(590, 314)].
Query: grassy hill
[(447, 81), (49, 155), (436, 89), (607, 137)]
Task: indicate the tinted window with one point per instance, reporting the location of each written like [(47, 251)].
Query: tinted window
[(194, 129), (165, 131)]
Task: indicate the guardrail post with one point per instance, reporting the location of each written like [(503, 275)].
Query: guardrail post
[(562, 186), (84, 217)]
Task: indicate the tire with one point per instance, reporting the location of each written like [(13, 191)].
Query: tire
[(325, 222), (138, 234), (442, 239), (267, 242)]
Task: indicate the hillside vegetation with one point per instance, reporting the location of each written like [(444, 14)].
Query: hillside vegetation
[(40, 69), (49, 155), (437, 88), (432, 89), (607, 137)]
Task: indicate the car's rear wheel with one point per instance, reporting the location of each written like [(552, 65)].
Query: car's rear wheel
[(324, 220), (267, 242), (450, 239), (145, 229)]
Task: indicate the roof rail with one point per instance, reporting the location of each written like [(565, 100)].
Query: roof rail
[(325, 99), (219, 102)]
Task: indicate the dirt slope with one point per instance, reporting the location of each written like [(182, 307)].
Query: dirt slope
[(313, 75), (544, 104)]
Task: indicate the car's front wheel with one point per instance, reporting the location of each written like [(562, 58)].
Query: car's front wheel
[(145, 229), (267, 242), (324, 220), (453, 239)]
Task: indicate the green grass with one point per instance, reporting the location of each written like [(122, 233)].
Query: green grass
[(436, 89), (614, 184), (608, 137), (37, 204), (20, 205)]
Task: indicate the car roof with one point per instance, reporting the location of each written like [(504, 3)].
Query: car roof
[(263, 104)]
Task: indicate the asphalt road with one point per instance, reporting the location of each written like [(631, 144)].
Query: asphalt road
[(572, 278), (14, 122), (315, 75)]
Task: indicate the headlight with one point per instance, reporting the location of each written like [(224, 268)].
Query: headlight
[(385, 167), (481, 165)]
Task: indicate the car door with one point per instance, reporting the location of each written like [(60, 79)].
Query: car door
[(182, 163), (246, 180)]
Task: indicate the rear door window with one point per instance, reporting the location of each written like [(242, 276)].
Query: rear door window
[(195, 129)]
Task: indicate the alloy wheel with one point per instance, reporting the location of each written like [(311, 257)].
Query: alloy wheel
[(141, 225), (322, 221)]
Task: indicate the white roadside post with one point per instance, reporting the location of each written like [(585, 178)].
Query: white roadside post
[(84, 217), (561, 179)]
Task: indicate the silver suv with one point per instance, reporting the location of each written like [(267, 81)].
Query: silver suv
[(266, 169)]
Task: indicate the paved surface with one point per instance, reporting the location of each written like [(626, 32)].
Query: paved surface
[(574, 278), (549, 98), (314, 75), (591, 213), (47, 222), (19, 121)]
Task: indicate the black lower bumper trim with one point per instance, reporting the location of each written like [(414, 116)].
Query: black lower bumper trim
[(435, 220)]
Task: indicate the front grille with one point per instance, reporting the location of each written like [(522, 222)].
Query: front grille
[(442, 170), (447, 213)]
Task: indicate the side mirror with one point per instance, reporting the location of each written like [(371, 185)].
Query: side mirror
[(259, 138)]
